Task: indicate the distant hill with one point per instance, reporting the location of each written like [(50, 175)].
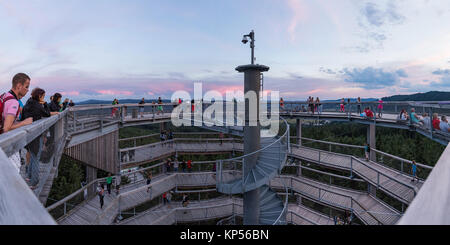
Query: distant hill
[(429, 96), (106, 102)]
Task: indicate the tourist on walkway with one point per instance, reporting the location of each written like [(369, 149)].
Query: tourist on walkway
[(282, 104), (426, 120), (149, 178), (444, 124), (160, 107), (36, 108), (436, 122), (55, 104), (403, 115), (342, 105), (71, 104), (10, 102), (380, 108), (175, 166), (414, 171), (101, 195), (359, 105), (319, 105), (169, 198), (114, 109), (141, 107), (185, 200), (170, 138), (367, 151), (368, 113), (109, 183), (168, 165), (164, 196), (183, 166), (162, 136), (413, 117), (189, 165)]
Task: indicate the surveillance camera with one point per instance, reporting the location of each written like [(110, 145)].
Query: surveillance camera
[(244, 40)]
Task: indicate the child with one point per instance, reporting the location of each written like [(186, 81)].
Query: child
[(414, 171), (367, 151)]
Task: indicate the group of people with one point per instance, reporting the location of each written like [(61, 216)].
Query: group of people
[(439, 123), (176, 165), (16, 115), (345, 220)]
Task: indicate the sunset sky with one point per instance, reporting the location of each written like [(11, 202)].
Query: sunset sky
[(103, 49)]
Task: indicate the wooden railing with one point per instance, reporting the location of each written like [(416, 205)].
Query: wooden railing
[(19, 204)]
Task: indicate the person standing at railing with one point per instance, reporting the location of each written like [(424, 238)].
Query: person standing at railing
[(380, 108), (282, 104), (114, 109), (109, 183), (436, 122), (443, 125), (160, 107), (426, 121), (342, 105), (168, 165), (9, 103), (141, 108), (367, 151), (175, 166), (319, 105), (189, 165), (359, 105), (36, 108), (170, 138), (413, 117), (414, 171), (101, 195)]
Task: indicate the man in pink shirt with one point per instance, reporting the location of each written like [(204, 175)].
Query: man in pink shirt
[(20, 86)]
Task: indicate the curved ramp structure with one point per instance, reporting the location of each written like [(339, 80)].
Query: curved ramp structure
[(271, 159)]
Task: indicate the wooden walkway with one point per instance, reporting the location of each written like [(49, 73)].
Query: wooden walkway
[(218, 208), (367, 208), (157, 151), (89, 212), (393, 182)]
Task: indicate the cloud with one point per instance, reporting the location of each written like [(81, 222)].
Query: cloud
[(327, 71), (401, 73), (442, 72), (375, 16), (300, 13), (372, 78), (445, 77), (373, 19)]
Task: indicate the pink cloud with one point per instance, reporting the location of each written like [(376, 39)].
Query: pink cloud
[(114, 92), (300, 14), (71, 93)]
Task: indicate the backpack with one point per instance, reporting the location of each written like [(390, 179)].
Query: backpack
[(3, 100)]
